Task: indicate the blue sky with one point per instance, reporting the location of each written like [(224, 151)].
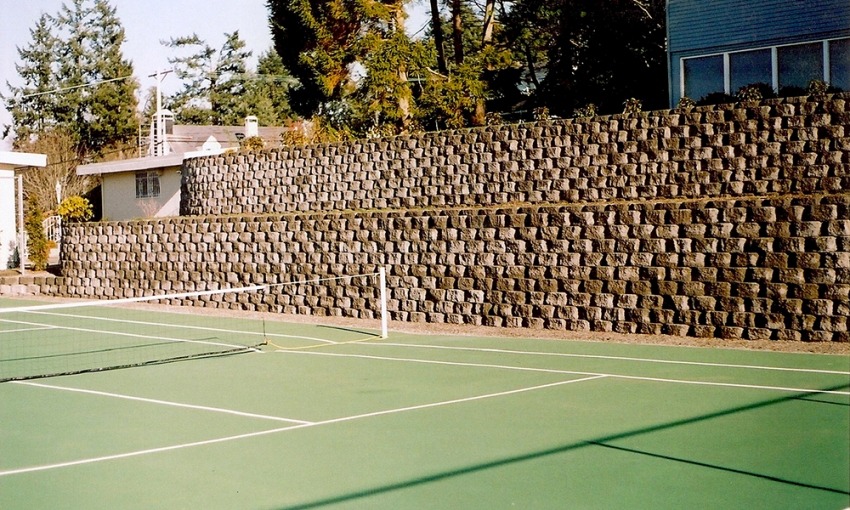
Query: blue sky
[(145, 22)]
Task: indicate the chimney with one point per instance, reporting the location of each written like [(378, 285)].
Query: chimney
[(251, 126)]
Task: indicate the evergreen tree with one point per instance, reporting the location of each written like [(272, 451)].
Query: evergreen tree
[(112, 107), (592, 52), (352, 59), (213, 80), (76, 79), (267, 90), (382, 103), (318, 41), (31, 104), (459, 96)]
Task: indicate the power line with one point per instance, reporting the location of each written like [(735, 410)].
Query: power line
[(65, 89)]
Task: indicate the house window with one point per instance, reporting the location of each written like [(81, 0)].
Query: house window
[(839, 64), (799, 64), (703, 76), (788, 69), (749, 67), (147, 184)]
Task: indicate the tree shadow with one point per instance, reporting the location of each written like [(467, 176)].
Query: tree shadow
[(596, 442)]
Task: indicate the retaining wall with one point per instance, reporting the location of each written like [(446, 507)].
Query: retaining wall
[(729, 222), (776, 147)]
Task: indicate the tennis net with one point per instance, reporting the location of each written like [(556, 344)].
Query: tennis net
[(88, 336)]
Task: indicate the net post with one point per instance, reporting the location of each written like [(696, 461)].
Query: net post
[(382, 272)]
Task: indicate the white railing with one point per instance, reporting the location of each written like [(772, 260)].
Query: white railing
[(52, 231), (53, 228)]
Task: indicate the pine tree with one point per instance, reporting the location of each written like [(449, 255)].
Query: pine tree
[(213, 80), (267, 90), (384, 97), (31, 104), (76, 79), (112, 113), (352, 59), (318, 42)]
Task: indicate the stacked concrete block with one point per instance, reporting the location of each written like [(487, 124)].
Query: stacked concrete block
[(728, 222), (729, 268), (780, 146)]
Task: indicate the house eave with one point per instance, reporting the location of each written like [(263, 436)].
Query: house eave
[(12, 160), (139, 164)]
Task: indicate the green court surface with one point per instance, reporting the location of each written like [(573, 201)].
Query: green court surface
[(330, 417)]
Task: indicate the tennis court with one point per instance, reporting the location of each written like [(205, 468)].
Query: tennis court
[(326, 416)]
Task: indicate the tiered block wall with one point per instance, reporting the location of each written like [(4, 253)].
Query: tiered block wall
[(726, 222)]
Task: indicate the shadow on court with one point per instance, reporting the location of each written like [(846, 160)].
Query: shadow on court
[(603, 443)]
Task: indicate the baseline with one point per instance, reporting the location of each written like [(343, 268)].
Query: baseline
[(617, 358), (571, 372)]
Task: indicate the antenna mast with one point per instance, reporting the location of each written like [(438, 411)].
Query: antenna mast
[(159, 147)]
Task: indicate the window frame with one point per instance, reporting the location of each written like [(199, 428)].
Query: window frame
[(774, 51), (148, 184)]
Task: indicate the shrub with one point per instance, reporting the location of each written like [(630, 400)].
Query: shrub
[(75, 209), (37, 244), (716, 98), (253, 143), (685, 102), (818, 87), (494, 119), (755, 92), (588, 110), (632, 106), (541, 113)]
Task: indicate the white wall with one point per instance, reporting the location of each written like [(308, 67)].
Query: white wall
[(118, 192), (8, 240)]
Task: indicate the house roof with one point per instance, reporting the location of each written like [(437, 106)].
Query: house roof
[(187, 138), (132, 165), (11, 160), (185, 141)]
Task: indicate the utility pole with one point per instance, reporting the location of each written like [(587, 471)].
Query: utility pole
[(159, 147)]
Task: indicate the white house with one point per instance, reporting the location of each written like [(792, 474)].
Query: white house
[(9, 162), (150, 186)]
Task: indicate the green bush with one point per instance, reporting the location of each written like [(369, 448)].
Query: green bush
[(755, 92), (251, 144), (37, 243), (75, 209), (685, 102), (588, 110), (817, 87), (632, 106)]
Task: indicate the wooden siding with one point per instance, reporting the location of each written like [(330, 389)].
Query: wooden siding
[(704, 26)]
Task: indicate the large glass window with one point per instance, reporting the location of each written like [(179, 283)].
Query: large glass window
[(703, 76), (749, 67), (800, 64), (147, 184), (839, 64)]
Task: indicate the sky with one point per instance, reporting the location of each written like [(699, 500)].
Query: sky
[(146, 23)]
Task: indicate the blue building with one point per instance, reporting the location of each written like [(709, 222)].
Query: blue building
[(723, 45)]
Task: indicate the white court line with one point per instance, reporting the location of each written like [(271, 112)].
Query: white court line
[(118, 333), (180, 326), (618, 358), (573, 372), (160, 402), (138, 453), (24, 330)]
